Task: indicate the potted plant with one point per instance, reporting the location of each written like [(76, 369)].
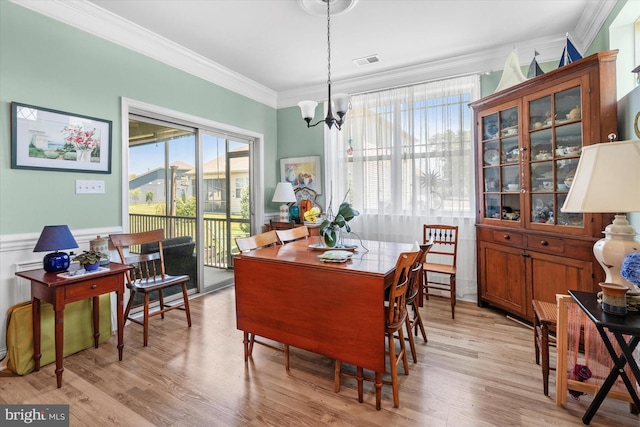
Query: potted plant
[(89, 260), (331, 227)]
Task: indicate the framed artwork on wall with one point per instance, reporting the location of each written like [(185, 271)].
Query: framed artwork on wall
[(302, 172), (47, 139)]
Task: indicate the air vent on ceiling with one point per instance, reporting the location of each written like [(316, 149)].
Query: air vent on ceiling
[(370, 59)]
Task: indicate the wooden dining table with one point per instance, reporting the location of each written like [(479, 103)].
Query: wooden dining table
[(287, 294)]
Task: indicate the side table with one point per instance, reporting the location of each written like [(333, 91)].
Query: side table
[(619, 326), (59, 289)]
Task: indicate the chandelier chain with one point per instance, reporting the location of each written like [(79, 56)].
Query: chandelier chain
[(328, 43)]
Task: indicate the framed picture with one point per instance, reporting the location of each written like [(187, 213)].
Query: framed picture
[(54, 140), (302, 172)]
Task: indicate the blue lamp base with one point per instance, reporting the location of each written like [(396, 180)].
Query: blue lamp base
[(56, 261)]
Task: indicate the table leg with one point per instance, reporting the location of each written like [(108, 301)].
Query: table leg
[(617, 369), (96, 321), (378, 384), (59, 337), (245, 342), (35, 317), (120, 320)]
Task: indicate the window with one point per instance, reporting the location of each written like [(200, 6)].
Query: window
[(405, 158)]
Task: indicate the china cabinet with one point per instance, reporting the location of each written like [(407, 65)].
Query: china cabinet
[(528, 142)]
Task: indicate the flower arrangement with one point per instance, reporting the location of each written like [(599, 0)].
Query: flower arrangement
[(330, 227), (630, 269), (312, 214), (81, 139)]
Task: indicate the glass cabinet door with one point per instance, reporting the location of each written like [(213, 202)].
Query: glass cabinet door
[(555, 138), (501, 165)]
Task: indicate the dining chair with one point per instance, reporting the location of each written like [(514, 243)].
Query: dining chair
[(148, 275), (414, 320), (247, 244), (281, 225), (293, 234), (395, 320), (445, 251)]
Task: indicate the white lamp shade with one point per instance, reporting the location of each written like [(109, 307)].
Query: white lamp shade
[(340, 103), (284, 193), (607, 179), (308, 109)]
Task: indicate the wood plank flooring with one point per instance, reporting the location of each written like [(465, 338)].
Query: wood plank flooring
[(477, 370)]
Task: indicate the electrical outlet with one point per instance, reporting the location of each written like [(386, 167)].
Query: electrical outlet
[(89, 186)]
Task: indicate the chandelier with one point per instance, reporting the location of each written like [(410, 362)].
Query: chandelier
[(339, 101)]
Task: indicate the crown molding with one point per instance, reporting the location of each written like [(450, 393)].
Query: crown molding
[(474, 63), (90, 18), (99, 22)]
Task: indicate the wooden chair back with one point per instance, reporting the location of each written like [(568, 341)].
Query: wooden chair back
[(416, 275), (281, 225), (397, 309), (262, 240), (148, 275), (445, 242), (147, 267), (297, 233)]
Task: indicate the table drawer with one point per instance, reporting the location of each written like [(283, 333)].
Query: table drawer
[(545, 244), (89, 288)]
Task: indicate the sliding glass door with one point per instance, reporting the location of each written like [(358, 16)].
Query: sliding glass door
[(195, 184)]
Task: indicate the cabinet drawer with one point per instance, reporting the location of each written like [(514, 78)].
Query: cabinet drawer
[(507, 237), (545, 244), (89, 288)]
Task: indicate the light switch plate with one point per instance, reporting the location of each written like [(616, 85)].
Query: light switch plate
[(89, 186)]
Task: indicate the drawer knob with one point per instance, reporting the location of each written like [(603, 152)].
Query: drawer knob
[(507, 237), (544, 243), (94, 286)]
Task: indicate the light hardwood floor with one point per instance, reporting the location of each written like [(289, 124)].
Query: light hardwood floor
[(476, 370)]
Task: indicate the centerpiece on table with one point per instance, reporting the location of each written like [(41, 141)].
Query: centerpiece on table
[(90, 260), (331, 227)]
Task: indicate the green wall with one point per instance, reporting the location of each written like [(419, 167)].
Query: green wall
[(49, 64), (296, 140)]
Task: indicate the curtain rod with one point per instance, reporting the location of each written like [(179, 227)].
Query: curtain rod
[(476, 73)]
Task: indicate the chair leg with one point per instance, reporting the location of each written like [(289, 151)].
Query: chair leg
[(161, 299), (426, 286), (545, 358), (145, 324), (536, 346), (132, 294), (252, 339), (394, 369), (337, 376), (412, 343), (186, 303), (403, 352), (417, 321), (286, 357), (360, 378), (452, 283)]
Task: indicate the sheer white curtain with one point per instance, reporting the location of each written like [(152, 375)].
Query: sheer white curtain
[(404, 158)]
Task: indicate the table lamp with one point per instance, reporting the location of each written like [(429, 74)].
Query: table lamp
[(54, 238), (607, 180), (284, 194)]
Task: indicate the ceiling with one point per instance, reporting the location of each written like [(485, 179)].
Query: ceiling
[(276, 52)]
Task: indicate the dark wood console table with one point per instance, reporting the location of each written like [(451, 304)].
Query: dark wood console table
[(59, 291), (619, 326)]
